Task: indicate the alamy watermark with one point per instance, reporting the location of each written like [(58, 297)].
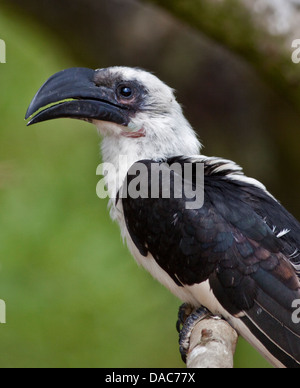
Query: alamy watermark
[(296, 52), (296, 312), (2, 311), (154, 180), (2, 51)]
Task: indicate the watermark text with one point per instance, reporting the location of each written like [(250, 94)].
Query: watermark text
[(296, 312), (2, 51), (296, 52), (2, 311), (153, 180)]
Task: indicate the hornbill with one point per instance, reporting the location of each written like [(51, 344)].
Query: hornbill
[(237, 254)]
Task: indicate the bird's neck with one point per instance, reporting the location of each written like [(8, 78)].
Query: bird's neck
[(121, 153)]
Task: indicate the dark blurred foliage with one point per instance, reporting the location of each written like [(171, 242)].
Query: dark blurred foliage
[(235, 113)]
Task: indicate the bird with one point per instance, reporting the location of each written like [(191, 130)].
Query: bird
[(237, 253)]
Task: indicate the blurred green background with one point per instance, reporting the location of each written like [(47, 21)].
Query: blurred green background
[(74, 295)]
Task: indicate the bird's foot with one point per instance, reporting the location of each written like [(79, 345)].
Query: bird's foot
[(188, 317)]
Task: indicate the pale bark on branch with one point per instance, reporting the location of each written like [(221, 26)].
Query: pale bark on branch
[(212, 344)]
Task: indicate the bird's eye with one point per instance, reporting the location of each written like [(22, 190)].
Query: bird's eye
[(125, 91)]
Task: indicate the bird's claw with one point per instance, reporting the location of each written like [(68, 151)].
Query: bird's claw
[(188, 317)]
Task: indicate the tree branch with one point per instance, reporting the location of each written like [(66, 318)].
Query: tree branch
[(212, 344), (257, 30)]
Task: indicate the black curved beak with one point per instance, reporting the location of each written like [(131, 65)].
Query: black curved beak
[(73, 93)]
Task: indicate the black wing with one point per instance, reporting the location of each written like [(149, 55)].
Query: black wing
[(232, 242)]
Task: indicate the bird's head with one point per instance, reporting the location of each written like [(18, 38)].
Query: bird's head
[(126, 104)]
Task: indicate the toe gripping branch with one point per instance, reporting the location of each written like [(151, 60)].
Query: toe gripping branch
[(188, 318)]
